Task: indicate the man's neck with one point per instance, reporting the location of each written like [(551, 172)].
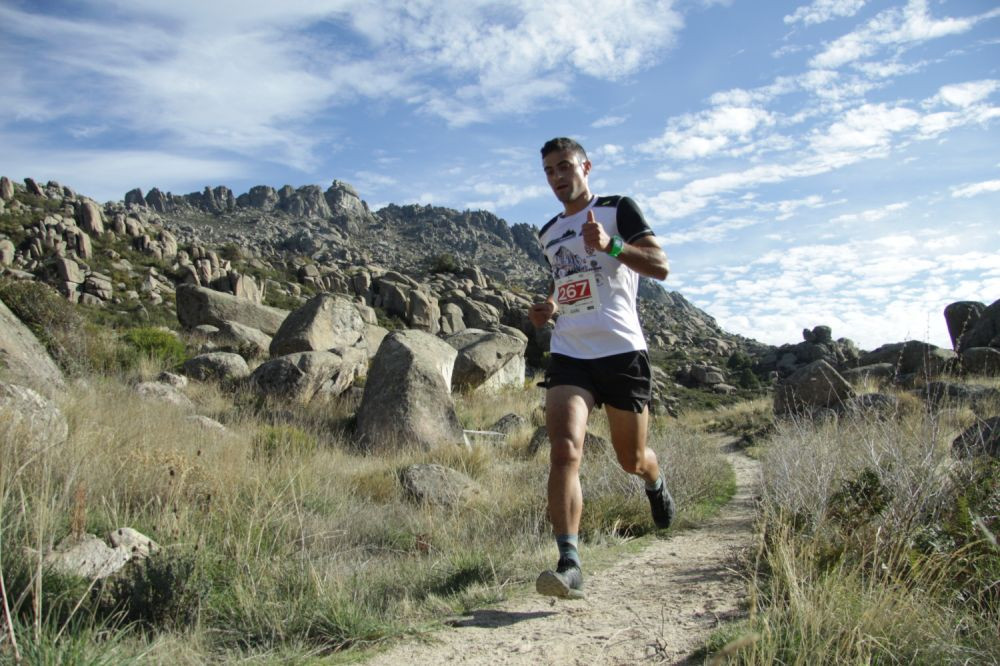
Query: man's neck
[(576, 205)]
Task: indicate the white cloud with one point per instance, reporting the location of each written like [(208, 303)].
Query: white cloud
[(501, 194), (893, 27), (975, 189), (871, 215), (692, 136), (821, 11), (964, 95), (609, 121)]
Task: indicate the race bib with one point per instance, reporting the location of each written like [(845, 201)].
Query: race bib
[(577, 293)]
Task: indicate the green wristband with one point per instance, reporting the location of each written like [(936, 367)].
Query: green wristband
[(617, 244)]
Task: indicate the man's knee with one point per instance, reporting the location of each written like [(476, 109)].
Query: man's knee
[(630, 461), (564, 452)]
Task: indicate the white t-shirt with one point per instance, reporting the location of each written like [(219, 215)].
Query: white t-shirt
[(596, 293)]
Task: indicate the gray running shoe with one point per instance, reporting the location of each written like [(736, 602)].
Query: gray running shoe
[(566, 582), (662, 505)]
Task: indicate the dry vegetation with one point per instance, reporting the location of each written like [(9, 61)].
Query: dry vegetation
[(281, 541), (875, 546)]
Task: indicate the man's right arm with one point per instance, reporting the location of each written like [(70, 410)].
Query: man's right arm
[(540, 313)]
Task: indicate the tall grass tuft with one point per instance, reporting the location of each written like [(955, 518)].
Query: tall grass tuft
[(870, 549)]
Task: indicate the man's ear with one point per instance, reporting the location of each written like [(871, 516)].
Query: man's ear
[(586, 167)]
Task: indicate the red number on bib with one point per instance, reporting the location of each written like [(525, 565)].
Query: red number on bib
[(574, 291)]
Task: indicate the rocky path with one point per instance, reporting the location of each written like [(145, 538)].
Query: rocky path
[(657, 606)]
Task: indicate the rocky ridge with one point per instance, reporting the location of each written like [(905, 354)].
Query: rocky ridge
[(412, 263)]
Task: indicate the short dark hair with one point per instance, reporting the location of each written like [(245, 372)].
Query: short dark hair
[(563, 143)]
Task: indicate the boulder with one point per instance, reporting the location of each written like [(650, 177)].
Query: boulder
[(985, 332), (162, 392), (244, 340), (91, 218), (199, 305), (325, 322), (304, 375), (407, 399), (23, 359), (436, 484), (487, 360), (90, 557), (961, 317), (509, 424), (912, 356), (30, 419), (938, 394), (218, 366), (981, 361), (816, 385), (982, 438)]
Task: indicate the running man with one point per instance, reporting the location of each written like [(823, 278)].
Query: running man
[(597, 248)]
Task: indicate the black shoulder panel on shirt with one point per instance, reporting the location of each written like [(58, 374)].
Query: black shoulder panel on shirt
[(607, 202), (545, 227), (631, 224)]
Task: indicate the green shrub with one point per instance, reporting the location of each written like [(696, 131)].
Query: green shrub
[(445, 263), (162, 592), (157, 344), (283, 440)]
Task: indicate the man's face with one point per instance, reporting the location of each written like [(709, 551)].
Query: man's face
[(567, 174)]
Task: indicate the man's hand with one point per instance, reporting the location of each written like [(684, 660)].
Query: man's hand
[(594, 235), (541, 313)]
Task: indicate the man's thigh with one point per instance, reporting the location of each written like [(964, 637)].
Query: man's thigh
[(628, 431), (567, 409)]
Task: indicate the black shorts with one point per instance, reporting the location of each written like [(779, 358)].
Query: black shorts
[(623, 381)]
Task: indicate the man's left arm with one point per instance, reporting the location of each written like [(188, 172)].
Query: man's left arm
[(645, 256)]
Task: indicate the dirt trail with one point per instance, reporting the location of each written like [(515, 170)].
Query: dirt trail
[(654, 607)]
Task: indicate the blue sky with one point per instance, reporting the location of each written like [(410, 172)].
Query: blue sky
[(817, 162)]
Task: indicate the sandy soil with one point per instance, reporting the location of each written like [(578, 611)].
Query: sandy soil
[(657, 606)]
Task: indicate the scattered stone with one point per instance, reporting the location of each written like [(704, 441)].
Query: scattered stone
[(164, 393), (983, 438), (217, 366), (437, 485)]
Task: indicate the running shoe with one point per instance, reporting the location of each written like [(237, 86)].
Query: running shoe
[(662, 505), (566, 582)]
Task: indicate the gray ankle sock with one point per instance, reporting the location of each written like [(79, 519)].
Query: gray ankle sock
[(655, 485), (567, 544)]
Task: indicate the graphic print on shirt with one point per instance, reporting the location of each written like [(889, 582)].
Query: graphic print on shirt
[(576, 282)]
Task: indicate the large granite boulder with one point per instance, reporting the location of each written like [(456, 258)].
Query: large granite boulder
[(325, 322), (23, 359), (199, 305), (304, 375), (487, 360), (29, 419), (407, 399), (812, 387), (912, 356), (961, 317), (986, 330), (983, 361)]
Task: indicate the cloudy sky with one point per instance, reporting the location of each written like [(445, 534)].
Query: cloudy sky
[(815, 162)]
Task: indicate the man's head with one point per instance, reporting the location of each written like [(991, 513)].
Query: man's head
[(566, 168)]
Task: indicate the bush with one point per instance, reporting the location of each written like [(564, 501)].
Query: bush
[(157, 344), (445, 263), (76, 345), (283, 440)]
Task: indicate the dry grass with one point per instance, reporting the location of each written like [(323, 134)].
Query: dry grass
[(283, 540), (870, 551)]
